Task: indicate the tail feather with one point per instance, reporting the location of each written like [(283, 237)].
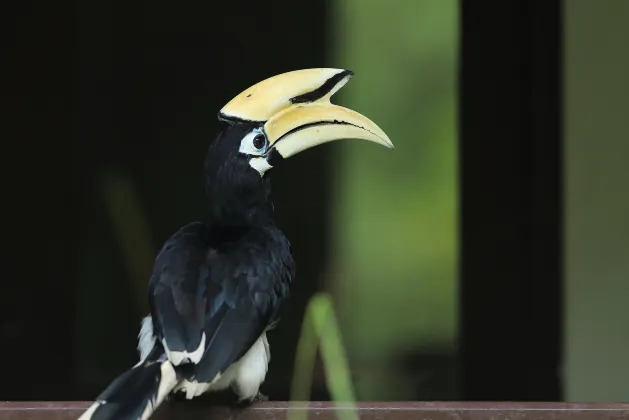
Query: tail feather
[(135, 394)]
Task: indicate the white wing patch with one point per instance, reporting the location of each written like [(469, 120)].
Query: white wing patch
[(146, 342), (247, 374), (180, 357)]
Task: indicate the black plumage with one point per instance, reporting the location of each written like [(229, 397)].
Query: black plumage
[(226, 282), (226, 277), (128, 395), (218, 284)]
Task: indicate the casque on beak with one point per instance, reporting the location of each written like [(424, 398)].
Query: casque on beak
[(295, 112)]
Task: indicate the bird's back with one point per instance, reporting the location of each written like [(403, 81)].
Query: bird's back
[(217, 285)]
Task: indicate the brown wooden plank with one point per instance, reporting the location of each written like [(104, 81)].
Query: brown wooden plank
[(325, 410)]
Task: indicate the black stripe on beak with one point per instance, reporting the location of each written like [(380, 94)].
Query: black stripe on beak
[(322, 90)]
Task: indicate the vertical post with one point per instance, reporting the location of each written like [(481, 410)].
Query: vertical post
[(510, 157)]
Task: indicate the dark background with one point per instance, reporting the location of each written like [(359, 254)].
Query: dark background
[(135, 86)]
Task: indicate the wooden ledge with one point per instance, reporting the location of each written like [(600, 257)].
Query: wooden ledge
[(190, 410)]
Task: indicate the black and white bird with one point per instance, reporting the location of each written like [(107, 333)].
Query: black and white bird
[(217, 286)]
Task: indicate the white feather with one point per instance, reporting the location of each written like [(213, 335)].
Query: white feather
[(180, 357), (260, 164), (247, 374), (168, 381), (87, 415), (146, 338), (252, 369)]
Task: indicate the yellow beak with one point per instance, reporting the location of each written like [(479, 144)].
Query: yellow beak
[(295, 112)]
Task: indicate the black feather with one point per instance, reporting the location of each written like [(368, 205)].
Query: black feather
[(242, 283), (229, 276), (177, 296), (127, 397), (226, 277)]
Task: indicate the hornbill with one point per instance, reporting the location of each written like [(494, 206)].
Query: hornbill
[(217, 286)]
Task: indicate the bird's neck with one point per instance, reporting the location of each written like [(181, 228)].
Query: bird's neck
[(239, 205)]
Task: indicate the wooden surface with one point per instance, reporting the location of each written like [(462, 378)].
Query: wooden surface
[(324, 411)]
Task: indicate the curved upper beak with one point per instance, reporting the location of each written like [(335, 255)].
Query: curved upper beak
[(295, 112)]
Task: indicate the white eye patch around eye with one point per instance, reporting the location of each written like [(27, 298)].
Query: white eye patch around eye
[(248, 147), (247, 144)]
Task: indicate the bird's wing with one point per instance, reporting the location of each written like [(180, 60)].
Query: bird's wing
[(210, 305), (177, 291)]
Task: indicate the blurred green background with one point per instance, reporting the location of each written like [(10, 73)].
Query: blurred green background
[(393, 271)]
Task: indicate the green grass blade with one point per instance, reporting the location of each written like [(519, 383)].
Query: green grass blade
[(320, 328)]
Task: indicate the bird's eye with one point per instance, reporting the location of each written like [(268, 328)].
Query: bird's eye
[(259, 142)]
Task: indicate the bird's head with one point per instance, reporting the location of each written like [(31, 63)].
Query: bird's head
[(272, 121)]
